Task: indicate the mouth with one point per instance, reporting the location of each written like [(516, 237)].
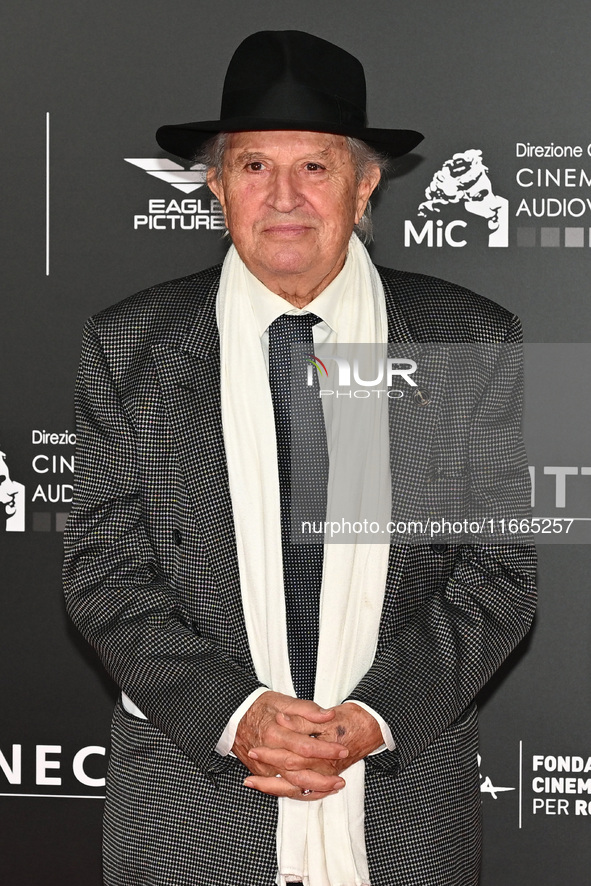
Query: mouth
[(287, 230)]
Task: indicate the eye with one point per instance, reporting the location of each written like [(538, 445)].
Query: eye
[(314, 167), (255, 166)]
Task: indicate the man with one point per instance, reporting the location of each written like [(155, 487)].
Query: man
[(180, 569)]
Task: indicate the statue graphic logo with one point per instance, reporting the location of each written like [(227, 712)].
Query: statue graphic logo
[(464, 180), (12, 500)]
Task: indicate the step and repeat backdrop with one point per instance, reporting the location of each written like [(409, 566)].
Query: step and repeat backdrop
[(497, 198)]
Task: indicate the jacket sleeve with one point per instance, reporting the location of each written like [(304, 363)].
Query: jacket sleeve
[(434, 666), (116, 592)]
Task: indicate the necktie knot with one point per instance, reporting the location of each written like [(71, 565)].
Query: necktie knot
[(289, 328)]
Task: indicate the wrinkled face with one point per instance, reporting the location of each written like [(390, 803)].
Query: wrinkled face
[(291, 200), (8, 490)]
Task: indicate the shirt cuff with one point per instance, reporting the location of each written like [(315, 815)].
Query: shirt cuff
[(228, 736), (131, 708), (389, 743)]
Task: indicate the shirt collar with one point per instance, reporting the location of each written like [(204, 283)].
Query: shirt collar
[(267, 306)]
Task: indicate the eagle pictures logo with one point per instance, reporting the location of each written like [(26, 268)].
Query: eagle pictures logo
[(178, 213), (462, 181), (185, 180)]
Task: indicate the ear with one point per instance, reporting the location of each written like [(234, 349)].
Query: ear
[(365, 189), (216, 186)]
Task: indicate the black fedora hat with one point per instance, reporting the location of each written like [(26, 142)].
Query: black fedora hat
[(290, 80)]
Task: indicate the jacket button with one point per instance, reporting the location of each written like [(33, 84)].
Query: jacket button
[(422, 397), (178, 538), (433, 474), (439, 548)]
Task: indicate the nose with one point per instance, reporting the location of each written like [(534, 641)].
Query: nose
[(284, 193), (8, 489)]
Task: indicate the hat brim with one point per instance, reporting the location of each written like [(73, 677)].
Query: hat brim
[(185, 139)]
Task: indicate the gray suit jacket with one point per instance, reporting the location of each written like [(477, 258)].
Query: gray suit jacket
[(152, 581)]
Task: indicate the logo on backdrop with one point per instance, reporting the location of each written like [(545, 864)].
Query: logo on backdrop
[(45, 502), (185, 180), (12, 500), (26, 766), (554, 203), (487, 786), (462, 181), (561, 784), (183, 213)]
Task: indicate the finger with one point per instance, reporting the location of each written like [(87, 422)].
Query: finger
[(271, 787), (304, 745), (308, 710), (258, 767), (304, 785), (305, 725), (310, 780), (280, 759)]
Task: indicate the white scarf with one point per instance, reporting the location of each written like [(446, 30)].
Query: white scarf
[(319, 842)]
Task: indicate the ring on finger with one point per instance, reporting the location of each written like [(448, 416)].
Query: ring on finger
[(306, 791)]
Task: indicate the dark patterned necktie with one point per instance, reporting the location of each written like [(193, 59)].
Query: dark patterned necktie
[(303, 476)]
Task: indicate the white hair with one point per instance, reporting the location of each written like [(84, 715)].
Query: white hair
[(362, 155)]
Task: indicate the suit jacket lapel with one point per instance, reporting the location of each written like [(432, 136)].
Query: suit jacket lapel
[(189, 373)]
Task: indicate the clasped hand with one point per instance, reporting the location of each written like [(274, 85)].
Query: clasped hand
[(305, 745)]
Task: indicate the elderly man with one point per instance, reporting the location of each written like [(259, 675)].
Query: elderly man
[(289, 712)]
